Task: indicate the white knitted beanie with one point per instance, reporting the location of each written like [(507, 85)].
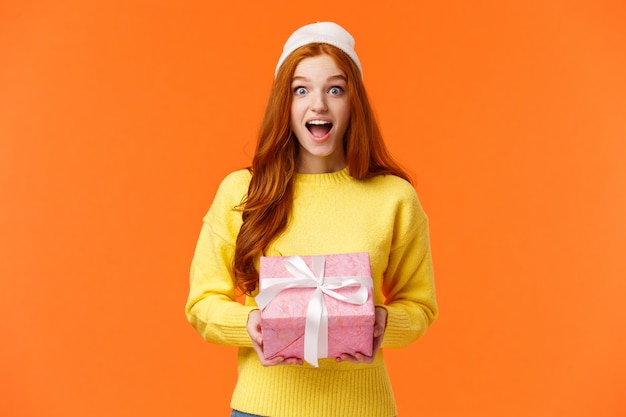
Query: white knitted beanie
[(321, 32)]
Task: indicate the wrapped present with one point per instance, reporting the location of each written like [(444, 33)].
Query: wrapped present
[(316, 306)]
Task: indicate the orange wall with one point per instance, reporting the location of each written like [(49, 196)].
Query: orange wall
[(118, 119)]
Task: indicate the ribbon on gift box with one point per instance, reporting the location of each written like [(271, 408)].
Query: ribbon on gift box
[(316, 324)]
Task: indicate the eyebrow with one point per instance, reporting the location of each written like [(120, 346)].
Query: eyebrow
[(331, 78)]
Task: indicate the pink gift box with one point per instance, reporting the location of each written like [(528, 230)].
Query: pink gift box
[(350, 326)]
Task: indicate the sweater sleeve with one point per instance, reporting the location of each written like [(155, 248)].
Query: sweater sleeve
[(212, 306), (408, 283)]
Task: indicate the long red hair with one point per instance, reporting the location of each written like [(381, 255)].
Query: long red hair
[(267, 207)]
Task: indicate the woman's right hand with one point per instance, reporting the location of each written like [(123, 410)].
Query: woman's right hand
[(254, 330)]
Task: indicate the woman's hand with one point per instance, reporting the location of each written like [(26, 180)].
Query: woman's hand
[(380, 322), (254, 330)]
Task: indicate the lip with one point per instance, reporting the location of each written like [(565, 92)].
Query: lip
[(321, 119), (320, 139)]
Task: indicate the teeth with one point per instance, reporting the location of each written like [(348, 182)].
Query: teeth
[(318, 122)]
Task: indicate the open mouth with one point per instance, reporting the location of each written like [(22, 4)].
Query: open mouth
[(319, 128)]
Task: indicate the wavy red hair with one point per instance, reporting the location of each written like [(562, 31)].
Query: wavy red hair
[(267, 207)]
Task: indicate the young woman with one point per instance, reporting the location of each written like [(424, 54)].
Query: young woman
[(321, 182)]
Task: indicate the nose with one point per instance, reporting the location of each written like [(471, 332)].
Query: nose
[(318, 103)]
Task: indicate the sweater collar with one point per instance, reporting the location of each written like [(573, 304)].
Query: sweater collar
[(323, 179)]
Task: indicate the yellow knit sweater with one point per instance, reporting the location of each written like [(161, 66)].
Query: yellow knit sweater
[(332, 213)]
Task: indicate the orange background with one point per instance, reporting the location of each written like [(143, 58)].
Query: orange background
[(119, 118)]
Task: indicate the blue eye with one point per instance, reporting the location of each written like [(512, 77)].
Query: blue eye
[(300, 91), (335, 91)]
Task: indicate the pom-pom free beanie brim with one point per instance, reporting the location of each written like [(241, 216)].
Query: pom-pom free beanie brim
[(321, 32)]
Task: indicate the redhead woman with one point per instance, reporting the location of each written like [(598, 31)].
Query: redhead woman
[(321, 182)]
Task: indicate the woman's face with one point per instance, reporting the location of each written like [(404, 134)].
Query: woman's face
[(320, 113)]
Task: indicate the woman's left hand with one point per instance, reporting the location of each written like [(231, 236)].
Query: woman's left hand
[(380, 322)]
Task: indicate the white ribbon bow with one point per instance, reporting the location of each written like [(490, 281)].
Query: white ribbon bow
[(316, 324)]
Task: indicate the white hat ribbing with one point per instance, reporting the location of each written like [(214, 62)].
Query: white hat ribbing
[(321, 32)]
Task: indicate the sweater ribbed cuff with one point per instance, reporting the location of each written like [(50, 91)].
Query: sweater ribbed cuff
[(234, 327), (397, 332)]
